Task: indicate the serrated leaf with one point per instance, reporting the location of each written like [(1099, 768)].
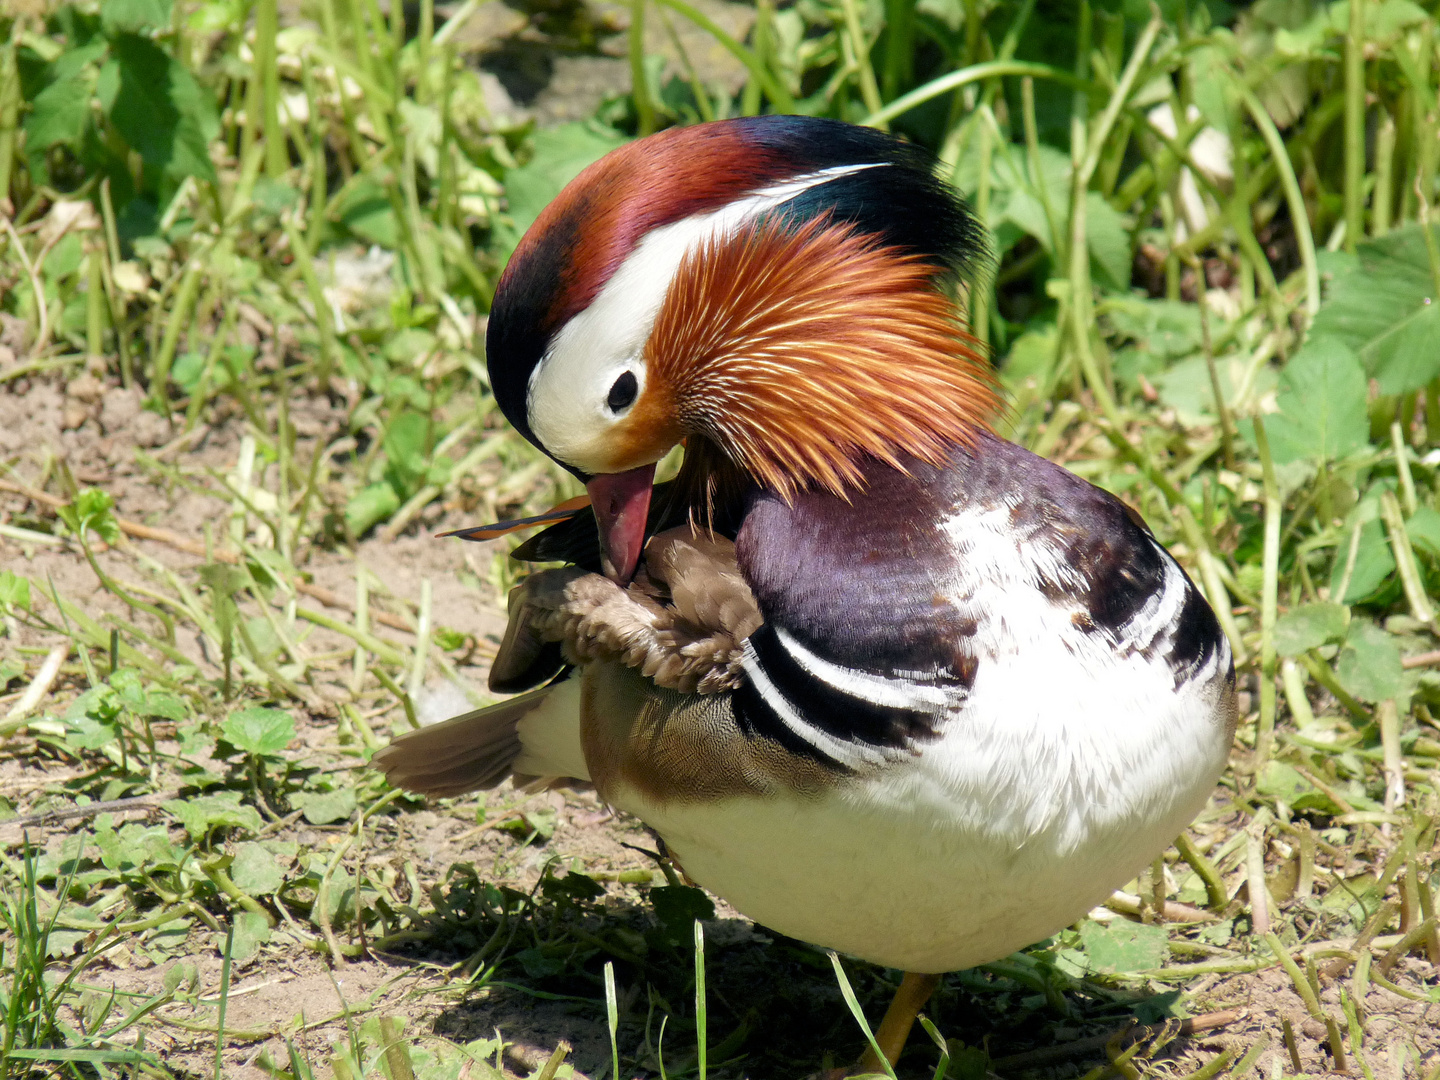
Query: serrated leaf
[(1322, 405), (1382, 304), (259, 731), (1369, 666), (326, 807), (1310, 626), (134, 845), (255, 871), (58, 114), (202, 813), (160, 110), (1122, 945)]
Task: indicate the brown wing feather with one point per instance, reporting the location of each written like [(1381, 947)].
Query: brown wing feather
[(466, 753), (682, 625)]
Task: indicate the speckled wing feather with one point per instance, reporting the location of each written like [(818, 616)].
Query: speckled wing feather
[(681, 623)]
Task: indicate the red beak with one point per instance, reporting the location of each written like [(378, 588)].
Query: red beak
[(621, 502)]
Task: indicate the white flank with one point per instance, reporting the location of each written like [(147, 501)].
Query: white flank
[(550, 735), (1073, 760)]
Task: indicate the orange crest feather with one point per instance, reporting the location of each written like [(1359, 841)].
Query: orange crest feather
[(802, 351)]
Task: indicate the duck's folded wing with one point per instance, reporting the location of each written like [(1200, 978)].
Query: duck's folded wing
[(533, 735)]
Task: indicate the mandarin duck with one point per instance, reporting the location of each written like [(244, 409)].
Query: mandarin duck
[(885, 682)]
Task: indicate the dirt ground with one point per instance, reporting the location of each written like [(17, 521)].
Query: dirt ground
[(782, 990)]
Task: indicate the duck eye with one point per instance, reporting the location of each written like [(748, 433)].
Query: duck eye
[(622, 394)]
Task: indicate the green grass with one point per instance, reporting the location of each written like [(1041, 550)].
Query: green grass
[(1280, 438)]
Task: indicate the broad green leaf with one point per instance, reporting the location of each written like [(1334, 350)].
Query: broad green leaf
[(1025, 372), (274, 196), (135, 846), (92, 512), (1423, 527), (259, 731), (135, 16), (537, 965), (1369, 665), (255, 871), (1383, 21), (370, 506), (187, 369), (1382, 304), (1283, 782), (326, 807), (407, 448), (1166, 328), (1122, 945), (58, 114), (1107, 233), (99, 702), (573, 886), (61, 943), (14, 591), (165, 706), (1310, 626), (1186, 387), (366, 210), (538, 822), (677, 907), (251, 931), (1357, 897), (559, 155), (1322, 405), (199, 814), (1374, 564), (127, 683), (159, 108), (89, 733)]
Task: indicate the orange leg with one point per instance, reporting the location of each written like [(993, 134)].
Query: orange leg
[(914, 992)]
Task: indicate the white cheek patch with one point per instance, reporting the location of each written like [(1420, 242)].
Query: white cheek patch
[(568, 388)]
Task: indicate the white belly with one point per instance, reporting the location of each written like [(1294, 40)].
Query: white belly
[(1010, 827)]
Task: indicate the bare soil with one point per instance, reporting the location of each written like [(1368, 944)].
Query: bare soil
[(781, 992)]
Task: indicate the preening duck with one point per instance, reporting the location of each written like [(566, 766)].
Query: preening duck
[(965, 694)]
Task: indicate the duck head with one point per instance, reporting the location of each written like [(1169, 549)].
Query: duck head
[(774, 287)]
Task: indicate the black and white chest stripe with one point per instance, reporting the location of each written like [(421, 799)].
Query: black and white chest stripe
[(843, 716), (849, 670)]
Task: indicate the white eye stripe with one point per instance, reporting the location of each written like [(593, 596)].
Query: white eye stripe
[(567, 394)]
